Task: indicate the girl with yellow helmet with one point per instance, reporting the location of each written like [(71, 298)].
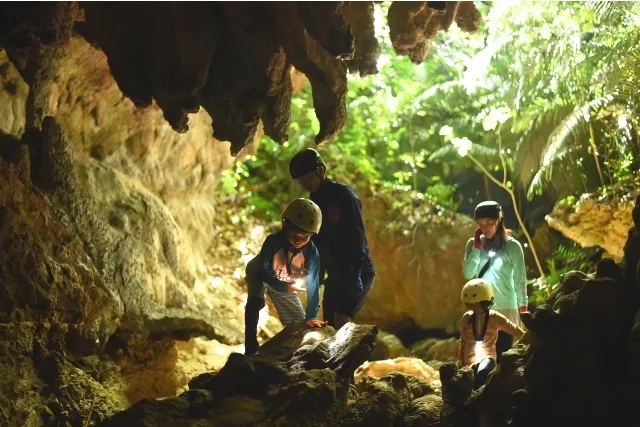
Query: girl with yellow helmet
[(479, 329)]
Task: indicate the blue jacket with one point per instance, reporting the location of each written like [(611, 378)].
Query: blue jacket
[(342, 242), (278, 261), (506, 273)]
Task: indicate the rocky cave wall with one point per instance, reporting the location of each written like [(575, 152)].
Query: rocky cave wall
[(117, 210), (418, 264)]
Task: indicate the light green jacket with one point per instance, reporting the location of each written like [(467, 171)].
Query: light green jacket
[(507, 273)]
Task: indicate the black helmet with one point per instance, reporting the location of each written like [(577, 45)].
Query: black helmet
[(303, 162), (488, 209)]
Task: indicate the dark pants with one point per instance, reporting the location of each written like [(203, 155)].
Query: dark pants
[(504, 343), (482, 371), (335, 300)]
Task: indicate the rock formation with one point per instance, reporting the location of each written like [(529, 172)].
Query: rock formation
[(232, 59), (300, 378), (96, 260), (595, 221)]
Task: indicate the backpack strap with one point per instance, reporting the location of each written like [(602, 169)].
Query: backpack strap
[(486, 266)]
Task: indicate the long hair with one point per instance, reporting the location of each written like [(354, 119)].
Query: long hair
[(503, 231)]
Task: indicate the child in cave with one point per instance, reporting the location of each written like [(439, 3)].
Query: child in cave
[(479, 330), (287, 259)]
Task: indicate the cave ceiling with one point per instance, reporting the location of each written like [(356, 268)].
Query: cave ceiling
[(233, 59)]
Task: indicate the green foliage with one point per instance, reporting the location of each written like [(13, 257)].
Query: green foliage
[(564, 260)]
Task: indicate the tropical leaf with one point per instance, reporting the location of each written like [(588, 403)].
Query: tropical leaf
[(560, 138), (531, 144)]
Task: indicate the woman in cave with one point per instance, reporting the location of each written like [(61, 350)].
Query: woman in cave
[(480, 328), (493, 255)]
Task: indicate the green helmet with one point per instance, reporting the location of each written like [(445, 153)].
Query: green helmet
[(304, 214)]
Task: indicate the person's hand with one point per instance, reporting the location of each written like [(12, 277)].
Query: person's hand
[(315, 323), (476, 239), (523, 309)]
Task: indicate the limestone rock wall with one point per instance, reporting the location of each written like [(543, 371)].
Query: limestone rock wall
[(109, 216), (596, 221), (418, 267), (153, 191)]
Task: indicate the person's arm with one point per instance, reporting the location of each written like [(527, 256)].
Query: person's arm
[(313, 285), (506, 325), (471, 266), (354, 242), (265, 266), (519, 274), (353, 227)]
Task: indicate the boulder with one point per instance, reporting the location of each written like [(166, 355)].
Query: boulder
[(381, 403), (433, 349), (423, 411), (405, 365), (299, 378)]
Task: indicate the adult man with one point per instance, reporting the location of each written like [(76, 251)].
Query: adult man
[(344, 252)]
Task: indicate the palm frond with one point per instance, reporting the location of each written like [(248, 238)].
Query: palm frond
[(610, 11), (437, 89), (560, 137), (534, 126), (627, 83)]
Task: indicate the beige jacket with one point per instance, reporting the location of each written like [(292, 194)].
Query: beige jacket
[(470, 351)]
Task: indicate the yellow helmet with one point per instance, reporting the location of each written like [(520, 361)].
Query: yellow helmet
[(477, 290), (304, 214)]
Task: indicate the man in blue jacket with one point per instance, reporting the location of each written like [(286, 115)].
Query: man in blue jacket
[(344, 252), (288, 259)]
